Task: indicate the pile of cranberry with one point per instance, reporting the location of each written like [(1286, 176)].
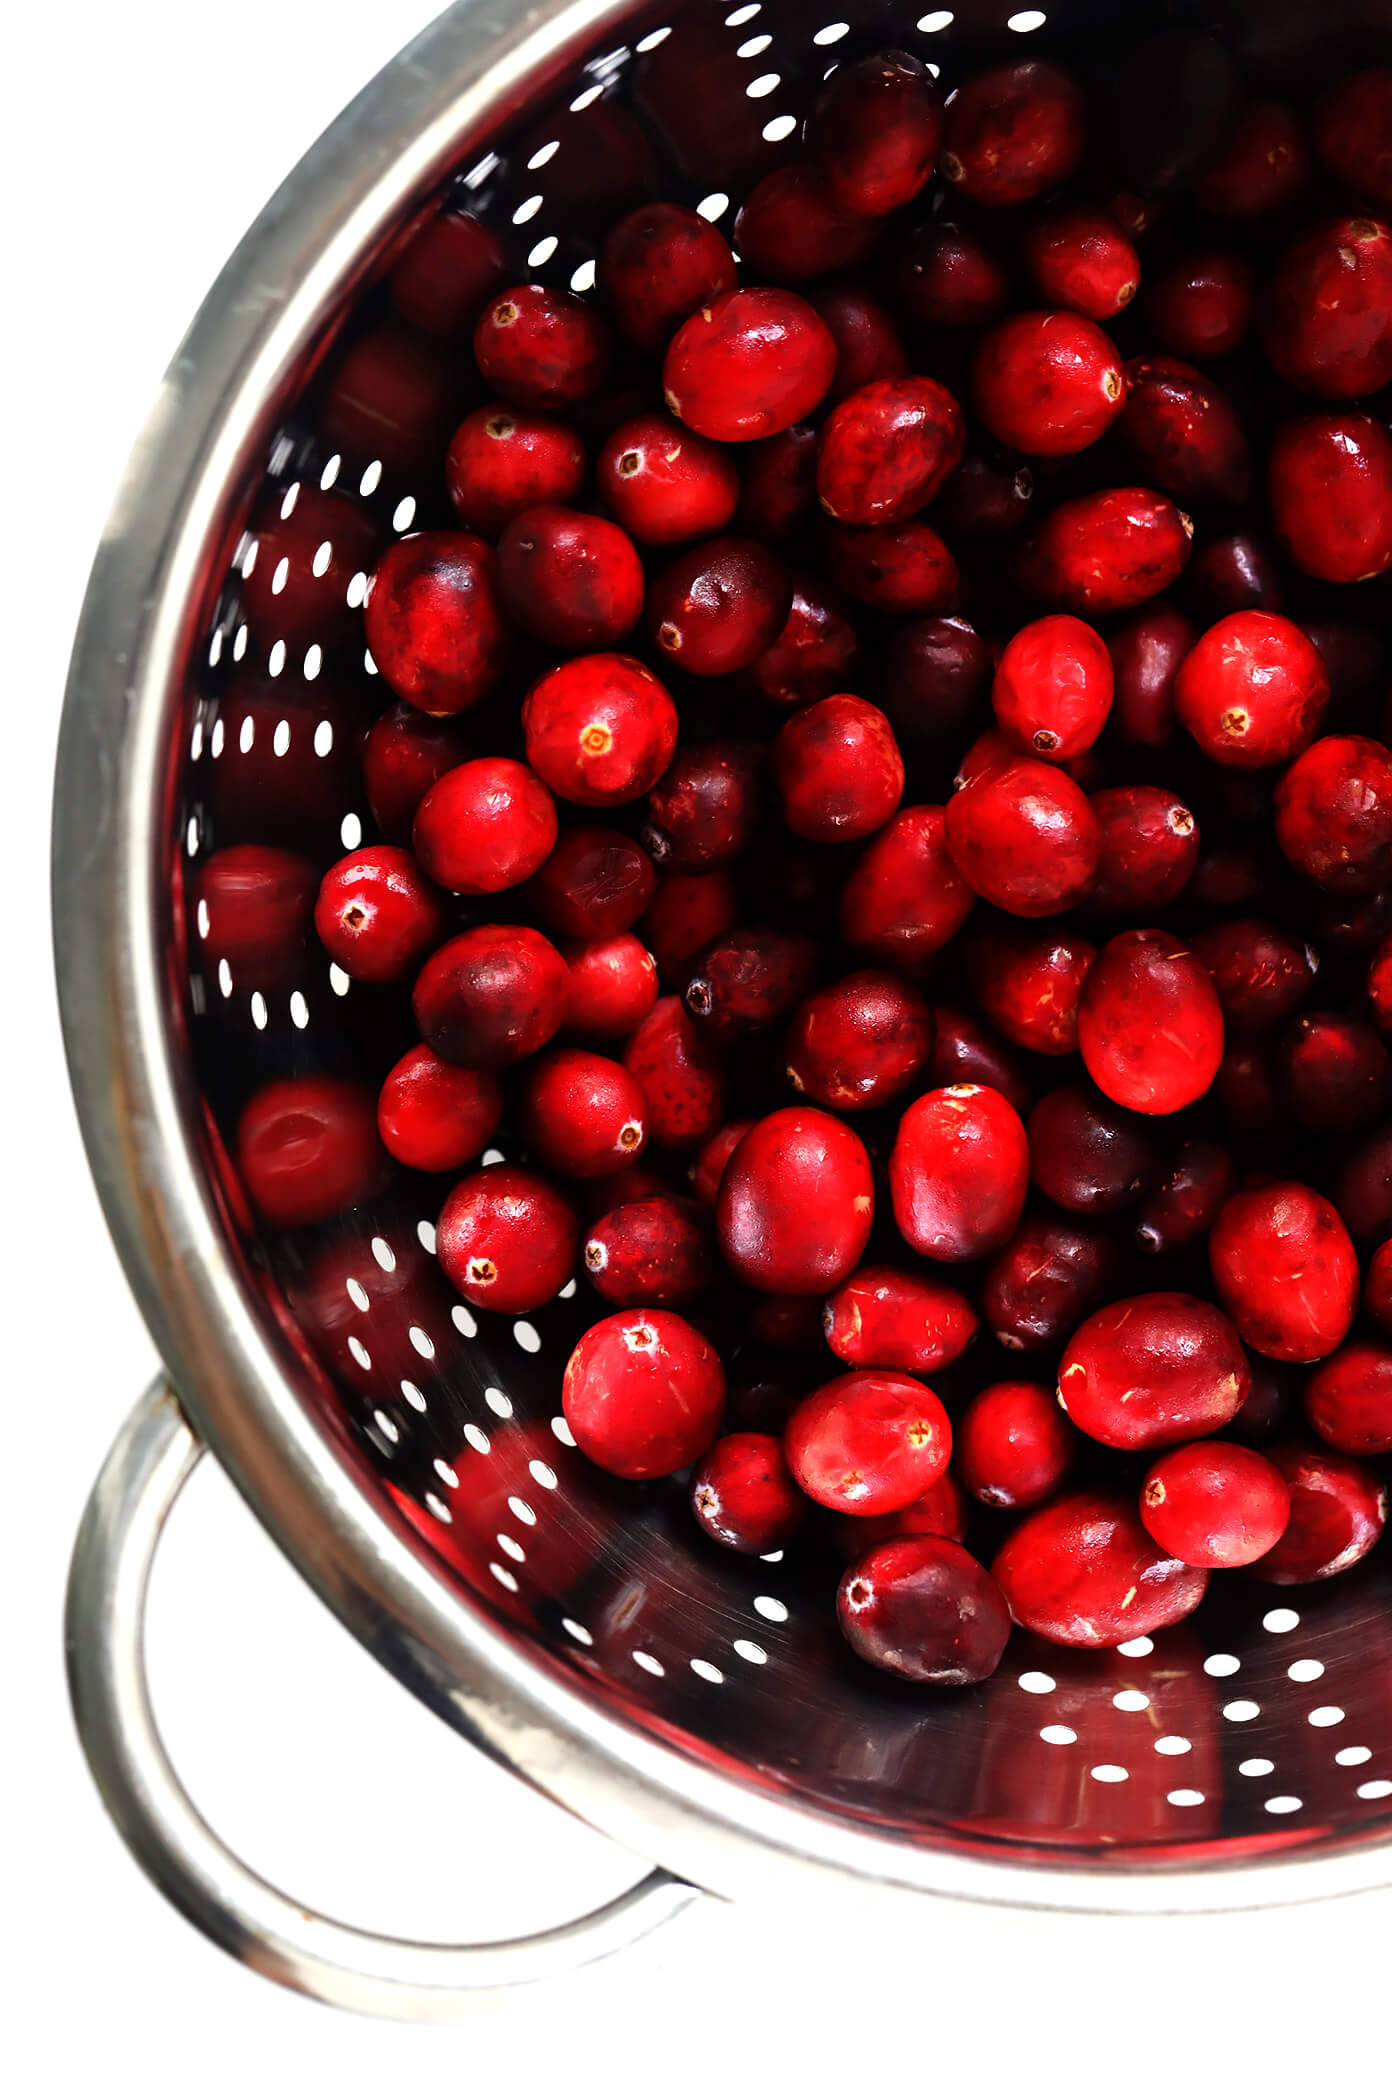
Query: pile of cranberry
[(1054, 960)]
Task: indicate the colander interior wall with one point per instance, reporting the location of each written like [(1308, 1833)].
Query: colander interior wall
[(1265, 1722)]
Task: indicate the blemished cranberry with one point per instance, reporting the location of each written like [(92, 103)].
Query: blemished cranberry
[(1013, 133), (663, 483), (922, 1608), (1045, 1282), (707, 1170), (1147, 846), (868, 344), (611, 985), (1215, 1504), (947, 275), (860, 1042), (433, 620), (1102, 553), (905, 898), (1047, 383), (507, 1239), (1329, 485), (1200, 306), (1184, 1203), (582, 1115), (491, 996), (874, 132), (1147, 653), (719, 605), (659, 265), (795, 1204), (594, 883), (813, 652), (1052, 691), (1152, 1370), (868, 1442), (1338, 1510), (403, 754), (1183, 433), (689, 909), (541, 348), (1150, 1025), (743, 1495), (484, 826), (502, 460), (937, 671), (442, 278), (1024, 837), (643, 1393), (1348, 1399), (1284, 1266), (1263, 166), (1082, 260), (286, 537), (377, 916), (308, 1148), (1327, 321), (966, 1053), (572, 580), (1353, 132), (958, 1173), (1334, 814), (1086, 1155), (1261, 976), (890, 1319), (649, 1252), (1013, 1447), (789, 230), (703, 810), (747, 980), (748, 365), (886, 450), (683, 1088), (1335, 1072), (599, 729), (904, 568), (253, 909), (778, 484), (1253, 691), (1028, 982), (838, 769), (1084, 1571), (1377, 1287), (434, 1116)]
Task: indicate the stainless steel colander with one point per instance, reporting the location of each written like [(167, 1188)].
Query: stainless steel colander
[(406, 1455)]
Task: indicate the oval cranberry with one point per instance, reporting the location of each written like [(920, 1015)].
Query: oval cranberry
[(748, 365), (574, 581), (869, 1442), (1085, 1154), (433, 622), (506, 1239), (778, 484), (810, 656), (435, 1116), (502, 460), (1215, 1504), (1183, 433), (307, 1148), (1084, 1571), (838, 769), (600, 729), (665, 484), (1261, 976), (582, 1115), (789, 230), (491, 996), (874, 132), (922, 1608), (958, 1173), (540, 347), (1338, 1511), (937, 670), (796, 1203), (1329, 484), (1327, 322), (1152, 1370), (885, 451), (905, 898), (1147, 846), (947, 275), (1049, 1277), (1150, 1026), (1104, 552), (594, 883), (860, 1042), (888, 1319), (1185, 1202), (903, 568), (1348, 1399), (377, 916), (1047, 383), (719, 605), (1334, 814), (643, 1393), (1028, 982), (868, 344), (1052, 690), (649, 1251), (1253, 691), (1013, 1447), (1285, 1269), (660, 264), (403, 754), (611, 984), (1146, 655), (966, 1052), (484, 826), (746, 980), (1335, 1072), (703, 811), (1012, 133), (1262, 167), (743, 1495), (1024, 837), (1081, 259), (683, 1088)]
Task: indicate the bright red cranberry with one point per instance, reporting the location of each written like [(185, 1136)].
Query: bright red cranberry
[(659, 265), (1261, 976), (435, 1116), (1348, 1399), (703, 811), (600, 729), (868, 345), (1186, 1200), (886, 450), (743, 1495), (1105, 552), (1150, 1026), (937, 670), (966, 1053), (1147, 846), (1329, 483), (595, 883), (308, 1148), (1024, 837), (1146, 655), (1262, 167), (859, 1043), (778, 484), (747, 980), (1052, 690), (290, 589), (905, 898), (1153, 1370), (795, 1204), (789, 230), (1253, 691), (664, 483), (904, 568), (869, 1442), (1012, 1447), (433, 621), (491, 996), (1028, 982), (1085, 1154), (1013, 133), (1377, 1289), (748, 365), (948, 276), (1046, 1282), (541, 348), (1047, 383), (873, 132), (582, 1115), (506, 1239), (643, 1393), (1327, 322), (403, 754), (719, 605), (502, 460), (1334, 814), (812, 653), (574, 581), (689, 909), (1215, 1504), (1353, 132), (485, 826), (683, 1089), (1183, 433), (1285, 1269), (838, 769), (650, 1252), (611, 985), (1084, 1571), (888, 1319), (445, 273), (922, 1608), (1335, 1072), (958, 1173), (377, 916), (1200, 305), (1082, 260), (1338, 1510), (253, 908)]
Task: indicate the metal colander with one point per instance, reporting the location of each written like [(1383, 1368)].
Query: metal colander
[(406, 1453)]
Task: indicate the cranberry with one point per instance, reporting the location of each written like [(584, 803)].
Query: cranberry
[(902, 567), (1150, 1026), (869, 1442), (742, 1494), (611, 985), (435, 1116), (659, 265), (1285, 1269), (1024, 837), (1329, 483), (810, 656), (1082, 260), (943, 1511), (874, 132), (948, 276), (795, 1204), (1045, 1283), (1186, 1200), (922, 1608), (838, 770), (1152, 1370), (965, 1053), (707, 1170), (308, 1148), (905, 898), (1012, 1447), (541, 348), (574, 581), (887, 1319), (1047, 383), (1201, 305), (664, 483), (1348, 1399), (1085, 1154), (937, 670), (1083, 1571), (1105, 552), (1147, 846), (747, 979), (253, 910), (594, 883), (506, 1239), (748, 365), (1338, 1509), (1263, 166), (1260, 975), (403, 754), (484, 826), (600, 729), (689, 909), (703, 811), (1215, 1504), (583, 1115), (1028, 982), (778, 484), (1353, 132), (1335, 1071), (446, 272), (433, 622), (1327, 323), (958, 1173), (1253, 691), (377, 916), (650, 1252), (1013, 133), (683, 1090), (491, 996), (1377, 1289), (1146, 655), (859, 1043), (1052, 690), (719, 605), (1334, 814), (1183, 433), (643, 1393), (502, 460), (868, 345), (789, 230), (885, 451)]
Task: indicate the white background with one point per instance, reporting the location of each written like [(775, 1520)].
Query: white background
[(140, 138)]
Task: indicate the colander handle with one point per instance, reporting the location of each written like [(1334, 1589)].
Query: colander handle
[(105, 1629)]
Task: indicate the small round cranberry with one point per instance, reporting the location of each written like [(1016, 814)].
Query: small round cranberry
[(1183, 433), (485, 826), (1085, 1154), (1146, 655), (600, 729), (1052, 690), (1215, 1504), (1353, 132), (812, 653), (491, 996), (788, 229), (703, 811), (1024, 837), (859, 1043), (1200, 305), (506, 1239), (683, 1089), (1284, 1267), (748, 365), (572, 580), (1153, 1370), (403, 754), (1028, 983), (1327, 322), (873, 132), (1045, 1283), (1377, 1289), (664, 483), (936, 672), (1348, 1399), (904, 568), (958, 1173), (707, 1170), (838, 769), (433, 621), (796, 1203), (1084, 1571), (1334, 814), (1261, 976), (868, 345), (1013, 133), (905, 898), (1147, 846), (746, 980), (1338, 1510), (778, 484), (1329, 483), (922, 1608), (885, 451), (1150, 1025), (948, 276), (869, 1442), (376, 915), (583, 1115), (648, 1252), (1105, 552), (308, 1148), (1012, 1447), (435, 1116), (1184, 1203), (719, 605), (1047, 383), (1335, 1072), (541, 348), (689, 909), (1263, 166), (611, 985), (502, 460), (253, 908), (742, 1494), (1253, 691), (966, 1053), (887, 1319), (643, 1393), (1082, 260), (445, 273), (659, 265), (595, 883)]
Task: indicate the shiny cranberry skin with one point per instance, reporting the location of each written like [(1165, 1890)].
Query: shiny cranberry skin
[(1047, 383), (965, 1053), (905, 898), (886, 450), (611, 985), (594, 883), (904, 568), (1013, 133), (1261, 976), (648, 1252), (1335, 1072), (1085, 1154), (433, 621), (582, 1115), (789, 230), (451, 265), (1186, 1200), (743, 1495), (1147, 846), (659, 265), (937, 670), (1106, 552), (1182, 432), (1327, 322), (1334, 814), (703, 811), (1200, 306), (1152, 1370), (688, 910), (599, 729), (485, 826), (1028, 983), (1024, 837), (719, 605), (868, 345), (403, 754), (812, 653), (948, 276), (1052, 690), (747, 980), (1084, 1571), (1329, 483), (795, 1204), (435, 1116), (748, 365), (377, 916), (1215, 1504), (491, 996), (643, 1393), (869, 1442), (1338, 1509), (1253, 691), (958, 1173), (1348, 1399), (1082, 260), (923, 1609), (778, 484), (838, 769), (683, 1089), (1150, 1026), (506, 1239), (541, 348), (1146, 655), (1045, 1282), (1353, 132), (888, 1319), (665, 484), (308, 1148), (502, 460), (873, 132), (859, 1043), (1285, 1269), (1262, 167), (574, 581), (1012, 1447), (253, 908)]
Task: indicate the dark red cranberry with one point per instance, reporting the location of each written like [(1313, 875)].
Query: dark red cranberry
[(868, 346), (506, 1239), (1024, 837), (485, 826), (377, 916), (922, 1608), (611, 985), (1013, 133), (594, 883), (1327, 321), (433, 621), (390, 398), (541, 348), (1215, 1504), (1085, 1154), (746, 980), (1183, 433), (902, 567), (689, 909), (253, 908), (707, 1170), (874, 132), (443, 276), (292, 590), (859, 1043), (1232, 573), (1147, 846), (1334, 814), (1244, 1090), (1263, 166), (812, 654), (1028, 982), (1271, 1407), (789, 229), (869, 1442), (1335, 1072), (636, 1184), (1186, 1200), (795, 1204), (743, 1495), (1045, 1282), (966, 1054), (1047, 383), (683, 1088), (308, 1148), (1261, 976), (582, 1115), (1012, 1447), (435, 1116), (502, 460), (838, 769), (1082, 260), (1153, 1370), (599, 729), (1105, 552), (937, 671), (948, 276), (905, 898), (703, 811), (1348, 1399), (958, 1173), (1146, 655), (491, 996), (1052, 690), (986, 498), (885, 451), (664, 483), (1338, 1510), (1329, 483), (1150, 1026), (1353, 132), (719, 605), (659, 265), (1377, 1288), (778, 484), (1200, 306), (572, 580), (1285, 1269), (1253, 691), (1084, 1571), (643, 1393), (403, 754), (651, 1252), (888, 1319), (748, 365)]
